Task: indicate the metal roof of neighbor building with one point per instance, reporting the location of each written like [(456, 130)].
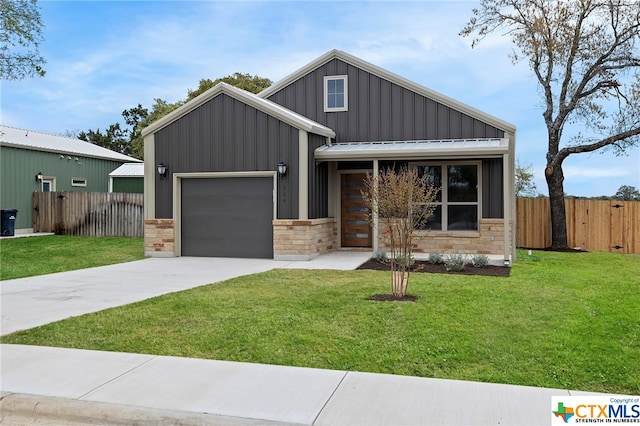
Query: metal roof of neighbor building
[(412, 149), (129, 170), (38, 141)]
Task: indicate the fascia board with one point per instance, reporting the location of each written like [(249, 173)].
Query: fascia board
[(323, 153), (394, 78)]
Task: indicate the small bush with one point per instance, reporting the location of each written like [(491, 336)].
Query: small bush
[(405, 262), (480, 260), (435, 258), (381, 256), (455, 262)]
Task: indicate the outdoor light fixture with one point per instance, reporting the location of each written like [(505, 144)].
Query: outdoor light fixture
[(282, 169), (39, 177), (162, 170)]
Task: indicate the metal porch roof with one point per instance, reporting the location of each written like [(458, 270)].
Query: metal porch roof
[(412, 149)]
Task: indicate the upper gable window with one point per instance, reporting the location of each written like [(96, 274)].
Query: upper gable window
[(335, 93)]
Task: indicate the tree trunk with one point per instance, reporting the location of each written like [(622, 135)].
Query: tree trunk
[(555, 183)]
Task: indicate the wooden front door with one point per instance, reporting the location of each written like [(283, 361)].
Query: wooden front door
[(355, 229)]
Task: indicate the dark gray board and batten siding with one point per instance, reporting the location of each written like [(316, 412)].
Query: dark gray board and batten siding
[(226, 135), (379, 110)]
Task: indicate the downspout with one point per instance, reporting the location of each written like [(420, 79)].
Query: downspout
[(303, 175)]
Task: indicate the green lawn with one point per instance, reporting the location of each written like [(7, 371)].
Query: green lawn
[(565, 320), (26, 257)]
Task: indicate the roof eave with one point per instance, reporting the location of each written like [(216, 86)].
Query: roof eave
[(68, 152)]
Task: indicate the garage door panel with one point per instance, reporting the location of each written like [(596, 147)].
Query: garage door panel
[(227, 217)]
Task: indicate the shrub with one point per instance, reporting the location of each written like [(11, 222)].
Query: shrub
[(435, 258), (480, 260), (381, 256), (455, 262)]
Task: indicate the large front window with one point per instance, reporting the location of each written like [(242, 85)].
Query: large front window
[(457, 205)]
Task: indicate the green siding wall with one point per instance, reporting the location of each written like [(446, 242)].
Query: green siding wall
[(20, 166), (132, 185)]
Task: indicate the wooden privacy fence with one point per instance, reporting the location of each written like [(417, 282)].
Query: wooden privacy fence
[(98, 214), (595, 225)]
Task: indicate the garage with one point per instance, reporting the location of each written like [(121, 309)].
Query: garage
[(227, 217)]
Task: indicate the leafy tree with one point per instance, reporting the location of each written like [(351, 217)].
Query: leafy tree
[(402, 201), (114, 138), (20, 38), (248, 82), (585, 56), (628, 193), (524, 185)]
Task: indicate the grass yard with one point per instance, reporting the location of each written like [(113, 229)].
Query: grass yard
[(562, 320), (26, 257)]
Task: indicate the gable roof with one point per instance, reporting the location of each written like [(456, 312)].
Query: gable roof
[(38, 141), (394, 78), (271, 108)]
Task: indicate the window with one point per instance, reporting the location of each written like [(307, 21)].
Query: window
[(78, 182), (457, 204), (335, 93), (48, 184)]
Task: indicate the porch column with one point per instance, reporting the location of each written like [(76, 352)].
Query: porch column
[(376, 168), (303, 175), (507, 194)]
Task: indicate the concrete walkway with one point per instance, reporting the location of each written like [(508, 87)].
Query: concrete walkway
[(42, 385), (30, 302)]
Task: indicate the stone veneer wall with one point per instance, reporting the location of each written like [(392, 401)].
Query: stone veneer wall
[(159, 238), (295, 239), (490, 240)]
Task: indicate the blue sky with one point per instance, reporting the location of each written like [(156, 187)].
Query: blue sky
[(105, 57)]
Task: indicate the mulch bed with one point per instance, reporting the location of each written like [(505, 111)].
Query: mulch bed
[(422, 266), (392, 298)]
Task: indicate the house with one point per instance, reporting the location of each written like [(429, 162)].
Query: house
[(128, 178), (34, 161), (278, 174)]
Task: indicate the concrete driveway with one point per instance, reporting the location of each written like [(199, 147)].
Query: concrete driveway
[(34, 301)]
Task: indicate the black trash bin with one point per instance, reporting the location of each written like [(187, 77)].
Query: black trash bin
[(8, 222)]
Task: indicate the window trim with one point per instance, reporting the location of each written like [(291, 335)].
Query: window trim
[(79, 182), (328, 78), (51, 181), (445, 196)]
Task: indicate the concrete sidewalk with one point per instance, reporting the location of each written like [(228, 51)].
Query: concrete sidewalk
[(63, 386), (55, 386)]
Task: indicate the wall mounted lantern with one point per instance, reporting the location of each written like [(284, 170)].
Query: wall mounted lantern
[(162, 170), (282, 169), (39, 177)]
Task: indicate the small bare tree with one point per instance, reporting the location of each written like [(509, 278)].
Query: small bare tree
[(402, 201)]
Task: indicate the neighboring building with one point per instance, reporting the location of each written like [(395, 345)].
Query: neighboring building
[(127, 178), (34, 161), (330, 123)]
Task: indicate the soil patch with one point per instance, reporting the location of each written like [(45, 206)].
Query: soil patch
[(422, 266), (392, 298)]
